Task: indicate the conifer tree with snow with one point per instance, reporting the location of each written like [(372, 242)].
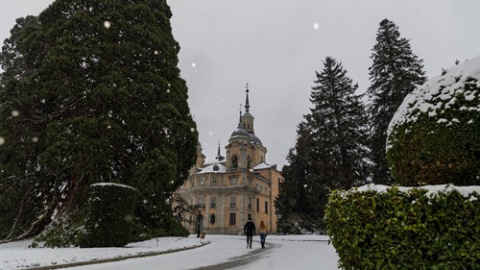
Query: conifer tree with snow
[(395, 72), (91, 92), (330, 150)]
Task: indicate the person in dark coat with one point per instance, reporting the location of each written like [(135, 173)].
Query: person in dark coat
[(249, 230)]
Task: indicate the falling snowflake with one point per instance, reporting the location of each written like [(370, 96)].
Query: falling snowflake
[(194, 65), (15, 113), (316, 26), (2, 140), (107, 24)]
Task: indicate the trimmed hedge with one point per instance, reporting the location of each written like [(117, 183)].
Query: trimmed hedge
[(405, 230), (434, 137), (110, 215)]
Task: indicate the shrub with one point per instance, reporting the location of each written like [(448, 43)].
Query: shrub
[(405, 230), (434, 138), (110, 215)]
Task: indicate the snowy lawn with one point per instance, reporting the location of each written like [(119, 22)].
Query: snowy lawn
[(17, 255), (222, 252)]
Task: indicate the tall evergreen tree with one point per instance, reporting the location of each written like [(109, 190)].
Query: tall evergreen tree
[(91, 93), (395, 72), (330, 151)]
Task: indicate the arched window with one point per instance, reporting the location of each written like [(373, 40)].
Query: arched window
[(235, 162), (212, 219), (200, 202), (213, 202)]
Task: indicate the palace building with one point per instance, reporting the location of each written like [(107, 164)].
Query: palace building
[(224, 193)]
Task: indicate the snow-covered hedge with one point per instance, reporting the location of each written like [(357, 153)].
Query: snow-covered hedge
[(434, 137), (110, 215), (430, 227)]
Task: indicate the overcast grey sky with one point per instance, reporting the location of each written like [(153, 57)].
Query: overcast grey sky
[(277, 45)]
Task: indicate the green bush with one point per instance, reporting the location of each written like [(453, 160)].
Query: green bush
[(60, 234), (405, 230), (110, 215), (434, 137)]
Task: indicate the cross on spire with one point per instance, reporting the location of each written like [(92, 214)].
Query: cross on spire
[(247, 103)]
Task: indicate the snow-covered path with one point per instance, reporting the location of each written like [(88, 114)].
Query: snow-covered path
[(230, 252), (223, 252), (297, 253)]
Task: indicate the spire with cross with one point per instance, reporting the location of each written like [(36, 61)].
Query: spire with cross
[(247, 103)]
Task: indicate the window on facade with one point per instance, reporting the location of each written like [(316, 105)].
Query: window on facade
[(258, 205), (202, 181), (213, 203), (200, 202), (233, 202), (233, 180), (249, 162), (249, 203), (266, 207), (234, 162), (232, 219), (214, 180), (212, 219)]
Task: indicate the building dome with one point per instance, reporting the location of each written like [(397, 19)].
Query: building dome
[(255, 139), (240, 133)]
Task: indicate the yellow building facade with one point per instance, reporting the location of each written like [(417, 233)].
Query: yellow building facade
[(226, 192)]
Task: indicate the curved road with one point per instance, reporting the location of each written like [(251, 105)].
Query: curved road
[(252, 256)]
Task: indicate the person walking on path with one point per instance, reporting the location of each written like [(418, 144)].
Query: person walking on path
[(262, 230), (249, 230)]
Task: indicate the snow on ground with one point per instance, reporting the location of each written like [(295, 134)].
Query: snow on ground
[(17, 255), (222, 252)]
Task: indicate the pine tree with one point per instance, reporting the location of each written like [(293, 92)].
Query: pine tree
[(92, 93), (292, 199), (395, 73), (331, 147)]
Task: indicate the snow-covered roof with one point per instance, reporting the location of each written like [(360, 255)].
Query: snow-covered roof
[(439, 94), (213, 168), (263, 165), (215, 161)]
